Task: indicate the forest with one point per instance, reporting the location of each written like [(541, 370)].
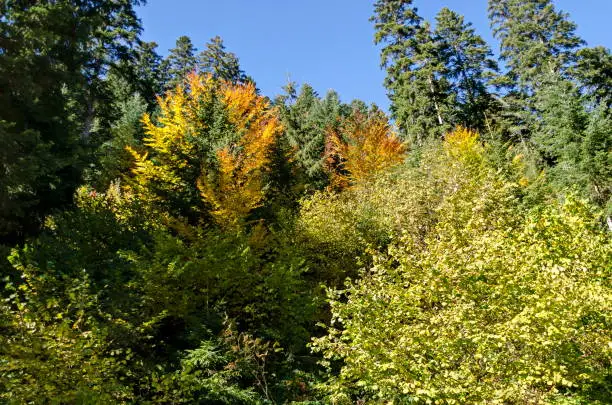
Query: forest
[(171, 235)]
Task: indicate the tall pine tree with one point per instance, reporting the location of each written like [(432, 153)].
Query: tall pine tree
[(220, 63), (420, 99), (180, 62), (54, 56), (469, 67), (535, 39)]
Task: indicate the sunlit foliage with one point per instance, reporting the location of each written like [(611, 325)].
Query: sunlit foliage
[(364, 146), (490, 306), (239, 186), (211, 140)]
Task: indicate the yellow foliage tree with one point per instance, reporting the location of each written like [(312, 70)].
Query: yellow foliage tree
[(239, 184), (364, 145), (210, 143), (464, 145)]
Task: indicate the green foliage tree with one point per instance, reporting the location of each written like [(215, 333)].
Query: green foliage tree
[(574, 141), (469, 68), (505, 307), (181, 61), (307, 119), (594, 71), (219, 63), (535, 39), (191, 266), (149, 74), (53, 58), (419, 92)]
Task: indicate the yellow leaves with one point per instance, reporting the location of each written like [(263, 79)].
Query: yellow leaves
[(210, 143), (364, 146), (463, 144), (239, 186), (180, 116), (243, 104)]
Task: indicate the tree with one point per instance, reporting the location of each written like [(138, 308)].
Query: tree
[(594, 71), (219, 63), (574, 139), (535, 39), (149, 73), (206, 153), (508, 306), (469, 68), (363, 147), (307, 118), (180, 61), (419, 93), (53, 59), (240, 177)]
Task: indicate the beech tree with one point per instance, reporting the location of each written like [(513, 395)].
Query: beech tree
[(363, 146), (207, 152)]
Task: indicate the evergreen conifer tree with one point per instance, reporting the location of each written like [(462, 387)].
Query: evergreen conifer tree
[(220, 63), (181, 61), (469, 67)]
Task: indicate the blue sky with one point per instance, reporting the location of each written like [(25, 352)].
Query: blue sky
[(327, 43)]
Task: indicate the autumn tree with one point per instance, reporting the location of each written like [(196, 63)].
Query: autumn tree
[(508, 305), (207, 152), (363, 146), (240, 175)]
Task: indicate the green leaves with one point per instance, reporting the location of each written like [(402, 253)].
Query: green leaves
[(494, 305)]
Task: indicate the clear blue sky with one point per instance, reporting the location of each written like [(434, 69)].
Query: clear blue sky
[(327, 43)]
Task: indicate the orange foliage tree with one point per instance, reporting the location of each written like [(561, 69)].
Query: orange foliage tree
[(207, 151), (237, 187), (364, 145)]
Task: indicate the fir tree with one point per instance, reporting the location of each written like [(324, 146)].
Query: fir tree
[(420, 98), (220, 63), (469, 67), (535, 39), (180, 62), (54, 57), (306, 119), (594, 71)]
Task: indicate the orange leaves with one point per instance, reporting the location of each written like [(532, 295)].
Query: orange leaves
[(207, 150), (238, 186), (364, 146)]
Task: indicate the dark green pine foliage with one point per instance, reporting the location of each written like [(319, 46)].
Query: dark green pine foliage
[(133, 86), (535, 39), (562, 121), (53, 59), (430, 98), (220, 63), (596, 158), (114, 161), (419, 94), (594, 71), (469, 68), (575, 141), (150, 74), (181, 61), (307, 118)]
